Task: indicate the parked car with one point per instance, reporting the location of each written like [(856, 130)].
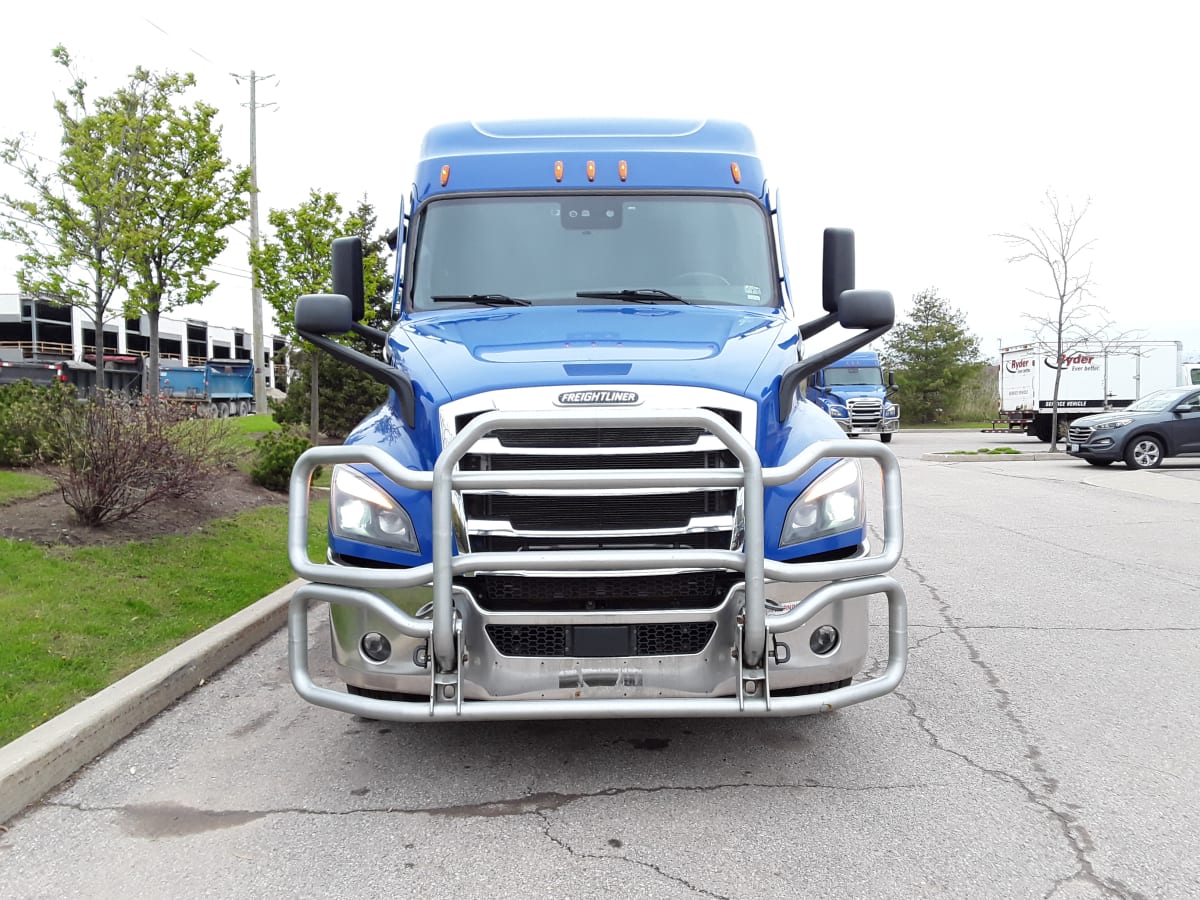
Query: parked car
[(1164, 423)]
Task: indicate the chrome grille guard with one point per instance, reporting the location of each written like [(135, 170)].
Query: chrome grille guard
[(357, 586)]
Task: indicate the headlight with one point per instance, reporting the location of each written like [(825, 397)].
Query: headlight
[(891, 411), (361, 510), (838, 412), (830, 505), (1115, 423)]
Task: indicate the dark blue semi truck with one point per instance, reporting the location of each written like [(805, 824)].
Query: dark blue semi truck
[(596, 488), (854, 393)]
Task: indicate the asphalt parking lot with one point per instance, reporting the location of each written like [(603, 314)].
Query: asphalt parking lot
[(1045, 742)]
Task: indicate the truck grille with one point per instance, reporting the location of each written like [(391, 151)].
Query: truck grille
[(1079, 434), (600, 512), (693, 590), (512, 520), (656, 639), (865, 411)]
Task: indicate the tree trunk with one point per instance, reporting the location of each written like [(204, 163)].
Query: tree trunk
[(152, 376), (99, 348)]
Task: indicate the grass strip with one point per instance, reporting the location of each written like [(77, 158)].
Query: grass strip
[(73, 621), (21, 485)]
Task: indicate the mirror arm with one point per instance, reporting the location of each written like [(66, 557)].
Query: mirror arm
[(816, 326), (372, 335), (794, 374), (386, 375)]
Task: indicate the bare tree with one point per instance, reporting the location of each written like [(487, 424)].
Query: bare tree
[(1059, 247)]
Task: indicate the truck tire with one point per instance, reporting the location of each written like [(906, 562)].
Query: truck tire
[(222, 410), (243, 408), (1144, 452), (1041, 428), (886, 437)]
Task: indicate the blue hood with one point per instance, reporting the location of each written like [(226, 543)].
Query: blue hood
[(467, 351)]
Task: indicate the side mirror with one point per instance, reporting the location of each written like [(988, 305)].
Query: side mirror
[(318, 315), (866, 309), (837, 266), (837, 277), (892, 386), (324, 313), (348, 274)]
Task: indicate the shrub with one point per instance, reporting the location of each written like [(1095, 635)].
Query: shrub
[(274, 457), (116, 456), (29, 417)]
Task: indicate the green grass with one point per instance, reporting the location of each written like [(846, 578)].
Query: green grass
[(252, 425), (983, 451), (19, 485), (74, 621)]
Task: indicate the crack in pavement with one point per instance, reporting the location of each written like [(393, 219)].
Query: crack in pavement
[(580, 854), (172, 819), (1076, 834)]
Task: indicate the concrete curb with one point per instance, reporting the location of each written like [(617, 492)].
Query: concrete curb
[(45, 757), (994, 457)]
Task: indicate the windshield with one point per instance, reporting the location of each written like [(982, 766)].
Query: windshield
[(594, 249), (1156, 402), (864, 375)]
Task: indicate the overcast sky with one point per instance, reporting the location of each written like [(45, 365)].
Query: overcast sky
[(927, 127)]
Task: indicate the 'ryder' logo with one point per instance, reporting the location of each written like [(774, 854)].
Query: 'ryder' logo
[(1018, 365), (1077, 360)]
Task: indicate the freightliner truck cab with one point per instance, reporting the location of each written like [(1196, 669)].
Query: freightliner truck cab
[(596, 488), (852, 390)]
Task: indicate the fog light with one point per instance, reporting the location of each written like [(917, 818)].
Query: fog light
[(823, 640), (375, 646)]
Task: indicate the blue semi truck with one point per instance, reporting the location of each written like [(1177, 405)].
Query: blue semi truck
[(218, 389), (853, 391), (596, 488)]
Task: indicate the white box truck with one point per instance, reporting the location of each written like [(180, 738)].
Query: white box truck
[(1094, 377)]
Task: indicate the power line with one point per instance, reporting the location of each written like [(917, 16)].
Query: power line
[(218, 271)]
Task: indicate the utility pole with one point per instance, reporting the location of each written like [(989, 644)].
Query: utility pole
[(260, 381)]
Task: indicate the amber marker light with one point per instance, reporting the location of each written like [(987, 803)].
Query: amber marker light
[(558, 170), (591, 170), (445, 175), (623, 170), (736, 170)]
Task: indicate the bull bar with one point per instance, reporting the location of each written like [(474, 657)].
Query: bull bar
[(358, 586)]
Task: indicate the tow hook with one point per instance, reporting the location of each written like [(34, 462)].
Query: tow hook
[(780, 652)]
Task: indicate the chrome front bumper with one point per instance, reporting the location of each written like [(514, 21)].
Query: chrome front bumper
[(457, 672)]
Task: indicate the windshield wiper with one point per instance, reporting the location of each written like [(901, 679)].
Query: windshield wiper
[(485, 299), (634, 295)]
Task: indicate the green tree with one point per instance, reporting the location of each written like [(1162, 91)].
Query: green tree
[(295, 260), (190, 195), (933, 355), (78, 225)]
